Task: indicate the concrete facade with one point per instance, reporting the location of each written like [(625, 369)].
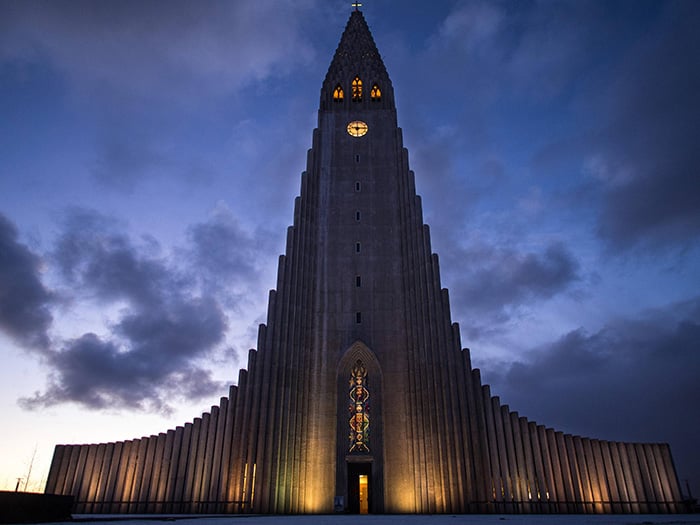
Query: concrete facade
[(359, 374)]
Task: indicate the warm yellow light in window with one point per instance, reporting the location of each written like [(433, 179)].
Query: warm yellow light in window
[(357, 89), (338, 94), (375, 93)]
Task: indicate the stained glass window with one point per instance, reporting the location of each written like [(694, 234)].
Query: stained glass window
[(357, 89), (375, 93), (338, 94), (358, 407)]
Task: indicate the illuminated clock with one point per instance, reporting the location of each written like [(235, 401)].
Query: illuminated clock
[(357, 128)]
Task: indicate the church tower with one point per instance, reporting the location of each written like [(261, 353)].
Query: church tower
[(359, 397)]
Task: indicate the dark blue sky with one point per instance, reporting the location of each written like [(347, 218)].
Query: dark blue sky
[(150, 153)]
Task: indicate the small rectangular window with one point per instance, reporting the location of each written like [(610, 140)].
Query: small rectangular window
[(358, 317), (357, 158), (358, 186), (357, 216), (358, 281), (357, 247)]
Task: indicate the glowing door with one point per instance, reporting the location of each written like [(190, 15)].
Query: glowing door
[(364, 494)]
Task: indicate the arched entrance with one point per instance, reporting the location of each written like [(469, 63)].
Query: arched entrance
[(359, 466)]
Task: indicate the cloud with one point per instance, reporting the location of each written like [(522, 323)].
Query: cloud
[(25, 303), (158, 49), (489, 284), (649, 151), (147, 362), (229, 260), (164, 324), (634, 380)]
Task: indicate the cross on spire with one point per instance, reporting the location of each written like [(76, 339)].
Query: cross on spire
[(356, 5)]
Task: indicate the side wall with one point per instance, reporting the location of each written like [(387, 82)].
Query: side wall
[(526, 468), (534, 469), (185, 470)]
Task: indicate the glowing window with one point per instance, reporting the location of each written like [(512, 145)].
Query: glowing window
[(357, 89), (359, 409), (338, 94), (375, 93)]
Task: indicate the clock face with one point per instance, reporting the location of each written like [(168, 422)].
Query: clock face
[(357, 128)]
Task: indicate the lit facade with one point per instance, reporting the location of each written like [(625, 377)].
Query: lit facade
[(360, 397)]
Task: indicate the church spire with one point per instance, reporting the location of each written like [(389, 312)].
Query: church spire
[(357, 59)]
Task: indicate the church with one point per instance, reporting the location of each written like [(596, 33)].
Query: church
[(360, 397)]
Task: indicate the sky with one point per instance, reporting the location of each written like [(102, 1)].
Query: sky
[(150, 153)]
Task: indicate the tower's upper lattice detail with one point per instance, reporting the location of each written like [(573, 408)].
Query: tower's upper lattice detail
[(357, 59)]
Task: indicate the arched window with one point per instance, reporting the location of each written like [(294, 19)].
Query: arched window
[(338, 94), (357, 89), (375, 94)]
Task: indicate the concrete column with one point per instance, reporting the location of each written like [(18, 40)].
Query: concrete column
[(145, 474), (529, 473), (479, 439), (630, 486), (55, 471), (647, 478), (208, 461), (567, 479), (622, 476), (79, 482), (102, 463), (549, 490), (139, 464), (494, 472), (112, 490), (173, 470), (672, 477), (125, 479), (584, 475), (164, 480), (505, 488), (183, 461), (601, 490), (155, 503), (238, 458), (649, 469), (512, 478), (635, 473), (215, 495), (227, 459), (575, 474), (521, 473)]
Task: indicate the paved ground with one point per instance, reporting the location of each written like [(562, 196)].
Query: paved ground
[(443, 519)]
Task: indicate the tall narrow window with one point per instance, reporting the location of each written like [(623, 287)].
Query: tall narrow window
[(375, 93), (356, 89), (357, 158), (358, 186), (359, 408), (358, 281), (357, 216), (358, 317), (357, 247), (338, 94)]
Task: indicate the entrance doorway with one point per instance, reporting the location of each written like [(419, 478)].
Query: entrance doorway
[(359, 481)]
